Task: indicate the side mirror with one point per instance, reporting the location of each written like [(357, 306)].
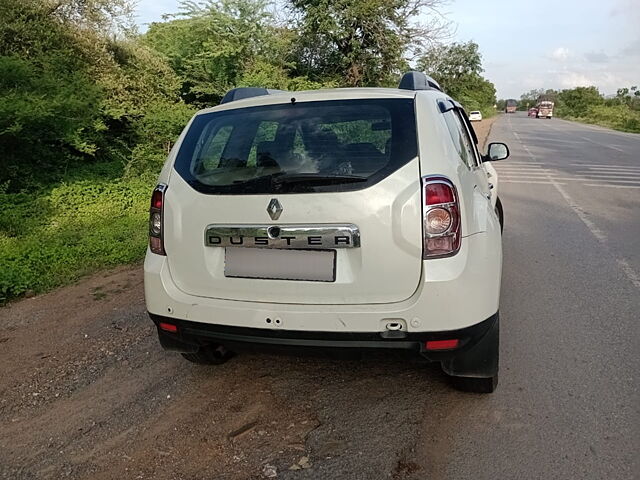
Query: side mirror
[(496, 151)]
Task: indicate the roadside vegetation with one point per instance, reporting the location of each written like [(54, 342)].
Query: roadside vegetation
[(587, 105), (89, 107), (457, 67)]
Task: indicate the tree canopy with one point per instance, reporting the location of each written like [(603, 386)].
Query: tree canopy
[(361, 42), (80, 86), (457, 67)]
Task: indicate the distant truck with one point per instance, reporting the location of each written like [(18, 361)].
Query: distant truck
[(511, 106), (545, 109)]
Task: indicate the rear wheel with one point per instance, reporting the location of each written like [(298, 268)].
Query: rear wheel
[(209, 355)]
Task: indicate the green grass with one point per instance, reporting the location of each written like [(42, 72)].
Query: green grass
[(618, 117), (56, 235)]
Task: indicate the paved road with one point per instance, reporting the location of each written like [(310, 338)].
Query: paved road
[(568, 402), (86, 392)]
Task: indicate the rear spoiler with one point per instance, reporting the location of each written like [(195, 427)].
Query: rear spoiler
[(241, 93)]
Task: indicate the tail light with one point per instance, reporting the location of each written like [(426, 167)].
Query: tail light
[(170, 327), (442, 344), (441, 218), (156, 220)]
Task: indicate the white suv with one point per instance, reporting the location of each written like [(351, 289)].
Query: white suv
[(359, 217)]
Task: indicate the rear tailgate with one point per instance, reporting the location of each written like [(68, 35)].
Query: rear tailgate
[(385, 267)]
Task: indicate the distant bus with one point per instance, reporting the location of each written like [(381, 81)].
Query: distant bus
[(510, 106)]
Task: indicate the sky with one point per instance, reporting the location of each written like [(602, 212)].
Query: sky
[(529, 44)]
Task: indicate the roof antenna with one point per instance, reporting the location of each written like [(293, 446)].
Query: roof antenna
[(293, 100)]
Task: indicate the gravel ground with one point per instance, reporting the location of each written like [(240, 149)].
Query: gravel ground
[(87, 392)]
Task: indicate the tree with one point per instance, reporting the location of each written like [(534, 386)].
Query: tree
[(452, 65), (362, 42), (75, 88), (578, 101), (457, 67), (48, 101), (209, 44)]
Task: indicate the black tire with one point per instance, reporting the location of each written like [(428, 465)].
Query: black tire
[(209, 355), (475, 385), (500, 214)]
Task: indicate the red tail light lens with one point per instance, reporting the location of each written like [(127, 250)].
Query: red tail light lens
[(156, 219), (442, 344), (157, 198), (168, 327), (438, 193), (441, 218)]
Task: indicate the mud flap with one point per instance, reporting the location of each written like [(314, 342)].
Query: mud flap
[(481, 360)]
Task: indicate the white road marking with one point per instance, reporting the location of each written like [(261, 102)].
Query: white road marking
[(625, 167), (520, 166), (528, 181), (615, 171), (610, 186), (521, 172), (631, 274), (589, 165), (599, 185), (610, 175), (603, 144), (569, 179), (523, 163)]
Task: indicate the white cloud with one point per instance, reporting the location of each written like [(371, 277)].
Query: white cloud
[(560, 54), (575, 79)]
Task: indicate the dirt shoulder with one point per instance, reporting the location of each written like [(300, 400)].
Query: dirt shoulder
[(87, 392), (483, 129)]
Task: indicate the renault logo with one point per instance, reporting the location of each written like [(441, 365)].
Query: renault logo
[(274, 209)]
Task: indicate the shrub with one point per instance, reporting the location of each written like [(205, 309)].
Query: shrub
[(50, 238)]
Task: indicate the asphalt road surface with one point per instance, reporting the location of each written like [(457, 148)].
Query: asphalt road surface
[(567, 405), (86, 392)]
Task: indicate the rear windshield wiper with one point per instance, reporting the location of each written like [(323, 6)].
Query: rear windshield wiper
[(317, 179)]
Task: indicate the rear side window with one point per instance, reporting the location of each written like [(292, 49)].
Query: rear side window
[(301, 147), (460, 137)]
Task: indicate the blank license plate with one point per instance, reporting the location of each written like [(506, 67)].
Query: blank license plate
[(280, 264)]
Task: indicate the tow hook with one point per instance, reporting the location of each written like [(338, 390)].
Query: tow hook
[(394, 328)]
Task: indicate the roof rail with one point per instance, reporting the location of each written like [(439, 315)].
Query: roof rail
[(418, 81), (246, 92)]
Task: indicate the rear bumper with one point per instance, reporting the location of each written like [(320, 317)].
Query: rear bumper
[(454, 293), (192, 335)]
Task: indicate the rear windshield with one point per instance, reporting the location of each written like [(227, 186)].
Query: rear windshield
[(298, 147)]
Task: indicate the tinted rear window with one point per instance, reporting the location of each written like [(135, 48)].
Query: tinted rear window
[(246, 151)]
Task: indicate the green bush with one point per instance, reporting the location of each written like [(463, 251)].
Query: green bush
[(618, 117), (53, 237)]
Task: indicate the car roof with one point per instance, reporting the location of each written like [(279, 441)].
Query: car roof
[(278, 97)]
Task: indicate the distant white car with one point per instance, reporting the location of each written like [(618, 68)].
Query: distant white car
[(475, 116), (345, 218)]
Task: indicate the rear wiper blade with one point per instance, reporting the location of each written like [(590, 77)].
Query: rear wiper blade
[(319, 179), (259, 179)]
